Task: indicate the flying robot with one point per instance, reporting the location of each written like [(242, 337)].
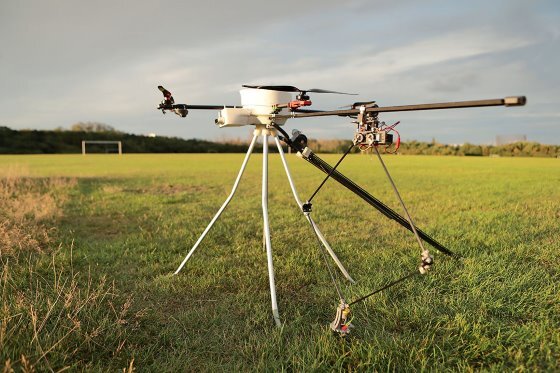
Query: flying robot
[(267, 108)]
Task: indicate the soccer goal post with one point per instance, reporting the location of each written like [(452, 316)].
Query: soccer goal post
[(85, 142)]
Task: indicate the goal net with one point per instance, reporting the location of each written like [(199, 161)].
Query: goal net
[(98, 146)]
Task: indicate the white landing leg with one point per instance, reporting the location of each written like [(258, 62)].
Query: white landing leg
[(243, 166), (315, 228), (275, 313)]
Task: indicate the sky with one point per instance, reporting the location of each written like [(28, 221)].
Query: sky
[(63, 62)]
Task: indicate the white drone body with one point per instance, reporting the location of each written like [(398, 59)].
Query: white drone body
[(257, 106)]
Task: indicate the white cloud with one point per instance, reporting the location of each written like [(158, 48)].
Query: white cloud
[(376, 66), (63, 69)]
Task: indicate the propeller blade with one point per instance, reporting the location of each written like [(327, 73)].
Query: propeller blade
[(290, 88), (165, 92), (358, 104), (169, 100), (318, 90)]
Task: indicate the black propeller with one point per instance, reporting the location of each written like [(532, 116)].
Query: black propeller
[(289, 88), (356, 105), (166, 95)]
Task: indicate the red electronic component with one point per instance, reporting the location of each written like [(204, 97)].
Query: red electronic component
[(298, 103)]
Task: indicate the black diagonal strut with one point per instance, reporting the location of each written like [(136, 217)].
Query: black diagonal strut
[(380, 206), (316, 161)]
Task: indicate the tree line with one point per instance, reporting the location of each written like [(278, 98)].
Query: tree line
[(516, 149), (65, 142), (69, 141)]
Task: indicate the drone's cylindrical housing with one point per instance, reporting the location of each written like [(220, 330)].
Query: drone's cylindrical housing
[(260, 102), (235, 117)]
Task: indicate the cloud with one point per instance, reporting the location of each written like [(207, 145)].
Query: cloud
[(376, 66), (102, 61)]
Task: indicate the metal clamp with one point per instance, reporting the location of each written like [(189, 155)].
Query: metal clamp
[(305, 153), (427, 262), (341, 325)]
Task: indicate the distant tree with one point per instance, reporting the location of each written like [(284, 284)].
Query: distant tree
[(471, 149), (92, 127)]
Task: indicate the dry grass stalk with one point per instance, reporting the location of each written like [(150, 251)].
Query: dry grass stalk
[(28, 206)]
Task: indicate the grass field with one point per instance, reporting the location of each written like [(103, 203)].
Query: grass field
[(88, 246)]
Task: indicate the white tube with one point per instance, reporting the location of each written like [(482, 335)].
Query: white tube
[(275, 313), (315, 228), (243, 166)]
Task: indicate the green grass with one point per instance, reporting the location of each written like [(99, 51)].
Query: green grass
[(130, 220)]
